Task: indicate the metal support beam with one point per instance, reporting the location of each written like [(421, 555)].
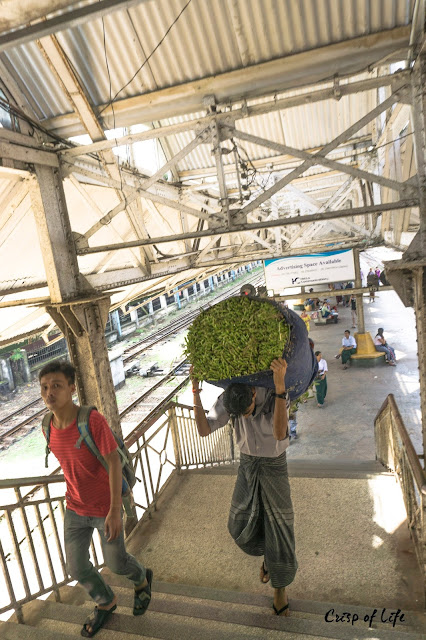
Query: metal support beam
[(341, 59), (315, 158), (395, 80), (217, 152), (55, 235), (358, 291), (419, 282), (131, 190), (268, 224), (77, 310), (319, 157), (61, 67), (359, 299), (145, 184), (65, 20), (27, 154), (419, 121)]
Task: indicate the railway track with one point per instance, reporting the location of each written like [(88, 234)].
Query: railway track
[(179, 325), (20, 410), (149, 399)]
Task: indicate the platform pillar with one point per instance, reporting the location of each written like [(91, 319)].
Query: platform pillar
[(116, 324), (79, 312), (359, 297)]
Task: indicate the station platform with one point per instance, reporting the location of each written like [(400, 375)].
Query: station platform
[(344, 427)]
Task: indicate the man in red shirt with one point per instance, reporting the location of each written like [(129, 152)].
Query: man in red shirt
[(93, 499)]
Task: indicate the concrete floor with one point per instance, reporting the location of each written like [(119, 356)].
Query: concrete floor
[(353, 544), (343, 428)]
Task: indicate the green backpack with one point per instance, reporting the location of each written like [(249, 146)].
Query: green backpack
[(129, 477)]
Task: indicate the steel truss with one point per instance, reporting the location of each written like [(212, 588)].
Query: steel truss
[(208, 216)]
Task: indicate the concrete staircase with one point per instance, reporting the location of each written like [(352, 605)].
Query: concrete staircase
[(184, 612), (352, 560)]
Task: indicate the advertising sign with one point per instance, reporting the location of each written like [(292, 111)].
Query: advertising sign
[(304, 270)]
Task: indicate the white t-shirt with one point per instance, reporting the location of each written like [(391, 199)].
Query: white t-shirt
[(349, 342), (322, 367), (378, 340)]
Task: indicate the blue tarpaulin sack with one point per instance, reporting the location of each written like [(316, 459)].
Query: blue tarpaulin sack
[(302, 365)]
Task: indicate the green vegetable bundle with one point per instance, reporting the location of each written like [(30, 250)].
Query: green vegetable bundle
[(236, 337)]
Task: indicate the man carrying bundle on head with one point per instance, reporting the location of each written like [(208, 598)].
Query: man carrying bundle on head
[(261, 516)]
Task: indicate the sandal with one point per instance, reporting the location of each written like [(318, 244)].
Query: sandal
[(265, 574), (143, 596), (280, 611), (96, 621)]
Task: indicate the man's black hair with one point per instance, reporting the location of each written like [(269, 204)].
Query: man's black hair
[(317, 353), (346, 331), (60, 366), (237, 398)]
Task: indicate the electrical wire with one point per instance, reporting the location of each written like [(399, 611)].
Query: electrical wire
[(146, 59), (113, 112)]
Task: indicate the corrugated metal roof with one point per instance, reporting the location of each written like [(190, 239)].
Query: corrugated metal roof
[(304, 127), (210, 37)]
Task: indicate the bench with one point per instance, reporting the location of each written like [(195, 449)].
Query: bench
[(366, 354), (330, 320)]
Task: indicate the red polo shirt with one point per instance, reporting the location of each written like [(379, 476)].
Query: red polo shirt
[(87, 481)]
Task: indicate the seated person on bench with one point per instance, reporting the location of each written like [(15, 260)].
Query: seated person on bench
[(381, 345), (348, 348), (325, 309)]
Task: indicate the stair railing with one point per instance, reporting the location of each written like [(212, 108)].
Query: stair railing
[(32, 558), (193, 451), (31, 540), (396, 452)]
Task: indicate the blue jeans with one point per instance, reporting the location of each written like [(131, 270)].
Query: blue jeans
[(293, 425), (389, 352), (78, 531)]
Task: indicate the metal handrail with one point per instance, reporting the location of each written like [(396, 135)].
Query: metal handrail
[(30, 525), (30, 482), (395, 451), (418, 471)]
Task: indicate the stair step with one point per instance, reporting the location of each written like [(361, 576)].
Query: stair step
[(14, 631), (335, 468), (259, 604), (307, 608), (305, 468), (184, 608), (165, 625)]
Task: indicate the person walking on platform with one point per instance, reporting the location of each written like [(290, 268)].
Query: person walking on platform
[(261, 515), (321, 379), (348, 348), (349, 285), (372, 284), (306, 319), (353, 310), (93, 498)]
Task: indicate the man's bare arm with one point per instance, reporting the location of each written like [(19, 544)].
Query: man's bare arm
[(199, 413), (279, 368), (113, 520)]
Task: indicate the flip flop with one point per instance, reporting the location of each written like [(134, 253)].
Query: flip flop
[(143, 596), (278, 612), (96, 621), (265, 573)]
